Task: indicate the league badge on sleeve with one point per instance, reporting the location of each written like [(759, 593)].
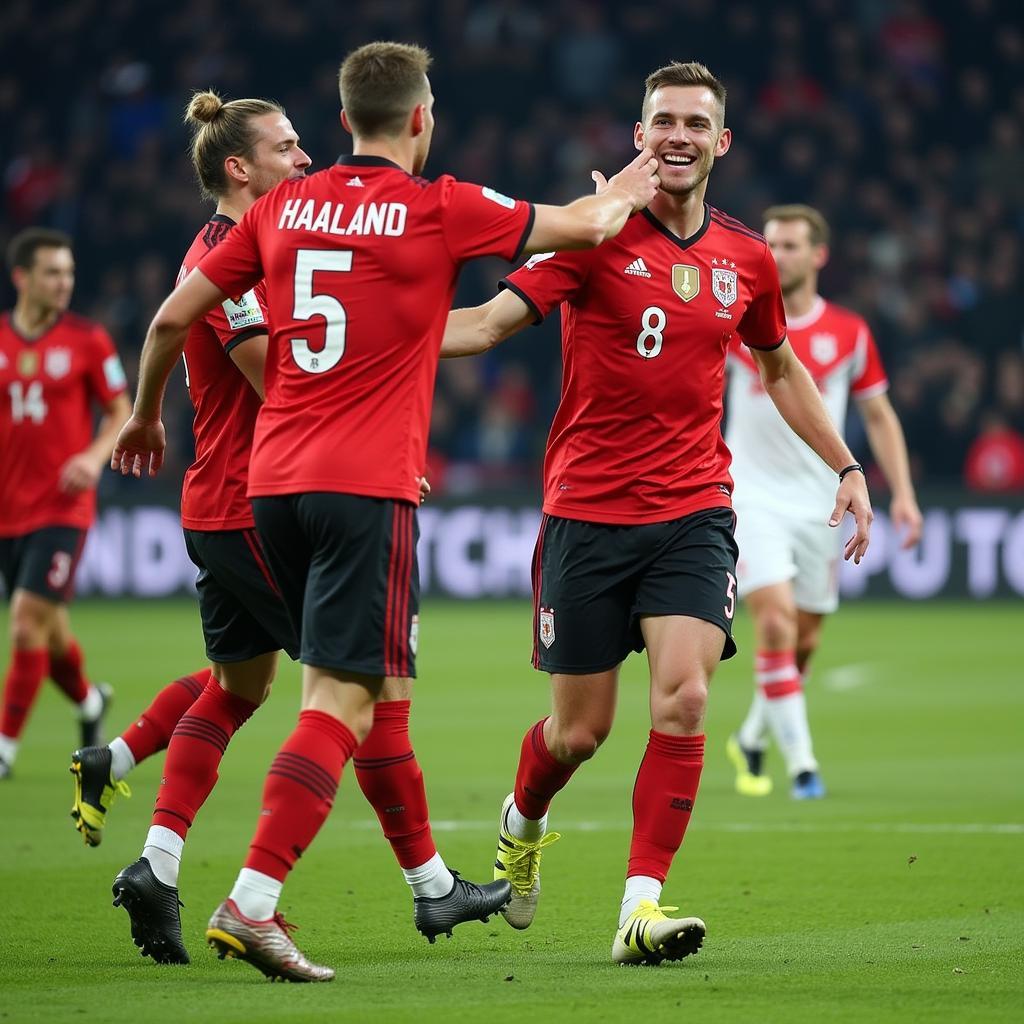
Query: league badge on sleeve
[(243, 312), (497, 197), (546, 624), (113, 372)]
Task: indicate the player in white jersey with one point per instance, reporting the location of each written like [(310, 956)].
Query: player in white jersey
[(788, 571)]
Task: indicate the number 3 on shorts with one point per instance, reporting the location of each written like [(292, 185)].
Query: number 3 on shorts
[(60, 570), (730, 596)]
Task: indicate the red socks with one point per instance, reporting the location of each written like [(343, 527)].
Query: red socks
[(66, 672), (152, 732), (193, 755), (24, 677), (776, 674), (299, 792), (391, 780), (539, 776), (666, 787)]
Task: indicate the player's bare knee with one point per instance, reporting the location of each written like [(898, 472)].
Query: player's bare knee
[(576, 743), (31, 625), (776, 627), (680, 708)]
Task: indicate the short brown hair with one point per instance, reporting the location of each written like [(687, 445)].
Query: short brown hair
[(22, 248), (220, 130), (818, 228), (380, 83), (678, 73)]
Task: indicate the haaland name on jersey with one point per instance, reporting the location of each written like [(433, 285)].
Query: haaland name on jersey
[(329, 217)]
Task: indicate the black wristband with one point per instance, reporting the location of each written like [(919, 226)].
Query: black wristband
[(853, 467)]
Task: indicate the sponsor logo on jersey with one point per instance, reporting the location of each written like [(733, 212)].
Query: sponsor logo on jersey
[(113, 373), (243, 312), (497, 197), (57, 362), (638, 268), (538, 257), (546, 626), (414, 634), (355, 182), (28, 363), (723, 285), (686, 281), (824, 347)]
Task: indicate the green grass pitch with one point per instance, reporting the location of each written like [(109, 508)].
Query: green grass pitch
[(900, 897)]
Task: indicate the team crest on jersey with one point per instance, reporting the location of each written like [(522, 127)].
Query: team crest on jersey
[(824, 347), (723, 286), (28, 363), (686, 281), (546, 626), (414, 634), (57, 362)]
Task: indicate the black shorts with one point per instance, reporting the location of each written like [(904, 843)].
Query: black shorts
[(346, 567), (43, 562), (241, 608), (592, 582)]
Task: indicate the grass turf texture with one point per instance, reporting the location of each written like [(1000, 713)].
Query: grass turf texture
[(897, 898)]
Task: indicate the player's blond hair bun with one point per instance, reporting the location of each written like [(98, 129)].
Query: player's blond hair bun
[(203, 107)]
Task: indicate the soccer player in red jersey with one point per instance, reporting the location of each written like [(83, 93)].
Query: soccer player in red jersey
[(55, 368), (360, 263), (636, 545), (788, 572), (244, 618)]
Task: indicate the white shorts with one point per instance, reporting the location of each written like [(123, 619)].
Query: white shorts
[(776, 548)]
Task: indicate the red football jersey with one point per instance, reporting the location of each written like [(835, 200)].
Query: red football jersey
[(360, 262), (647, 319), (48, 388), (213, 495)]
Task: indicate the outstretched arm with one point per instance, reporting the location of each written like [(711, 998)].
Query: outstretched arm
[(889, 447), (141, 441), (476, 329), (795, 395)]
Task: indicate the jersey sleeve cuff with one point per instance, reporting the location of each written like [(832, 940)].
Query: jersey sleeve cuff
[(530, 217), (871, 390), (538, 316), (250, 332), (767, 348)]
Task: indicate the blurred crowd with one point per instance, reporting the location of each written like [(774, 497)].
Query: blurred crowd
[(901, 121)]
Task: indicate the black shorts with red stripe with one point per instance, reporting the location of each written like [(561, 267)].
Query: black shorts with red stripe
[(346, 568), (42, 562), (239, 602)]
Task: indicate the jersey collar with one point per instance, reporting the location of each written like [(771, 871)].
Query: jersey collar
[(221, 218), (29, 340), (368, 161), (799, 323), (683, 243)]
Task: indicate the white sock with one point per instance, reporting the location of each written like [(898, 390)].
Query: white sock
[(8, 748), (256, 894), (91, 708), (787, 717), (530, 830), (122, 760), (638, 887), (432, 879), (751, 733), (163, 851)]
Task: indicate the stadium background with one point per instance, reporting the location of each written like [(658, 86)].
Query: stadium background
[(900, 897)]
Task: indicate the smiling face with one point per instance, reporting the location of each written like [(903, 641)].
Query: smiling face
[(276, 156), (683, 126)]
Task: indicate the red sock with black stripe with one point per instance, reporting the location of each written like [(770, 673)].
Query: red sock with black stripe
[(539, 776), (194, 754), (152, 731), (68, 672), (25, 676), (391, 780), (663, 797), (299, 792)]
